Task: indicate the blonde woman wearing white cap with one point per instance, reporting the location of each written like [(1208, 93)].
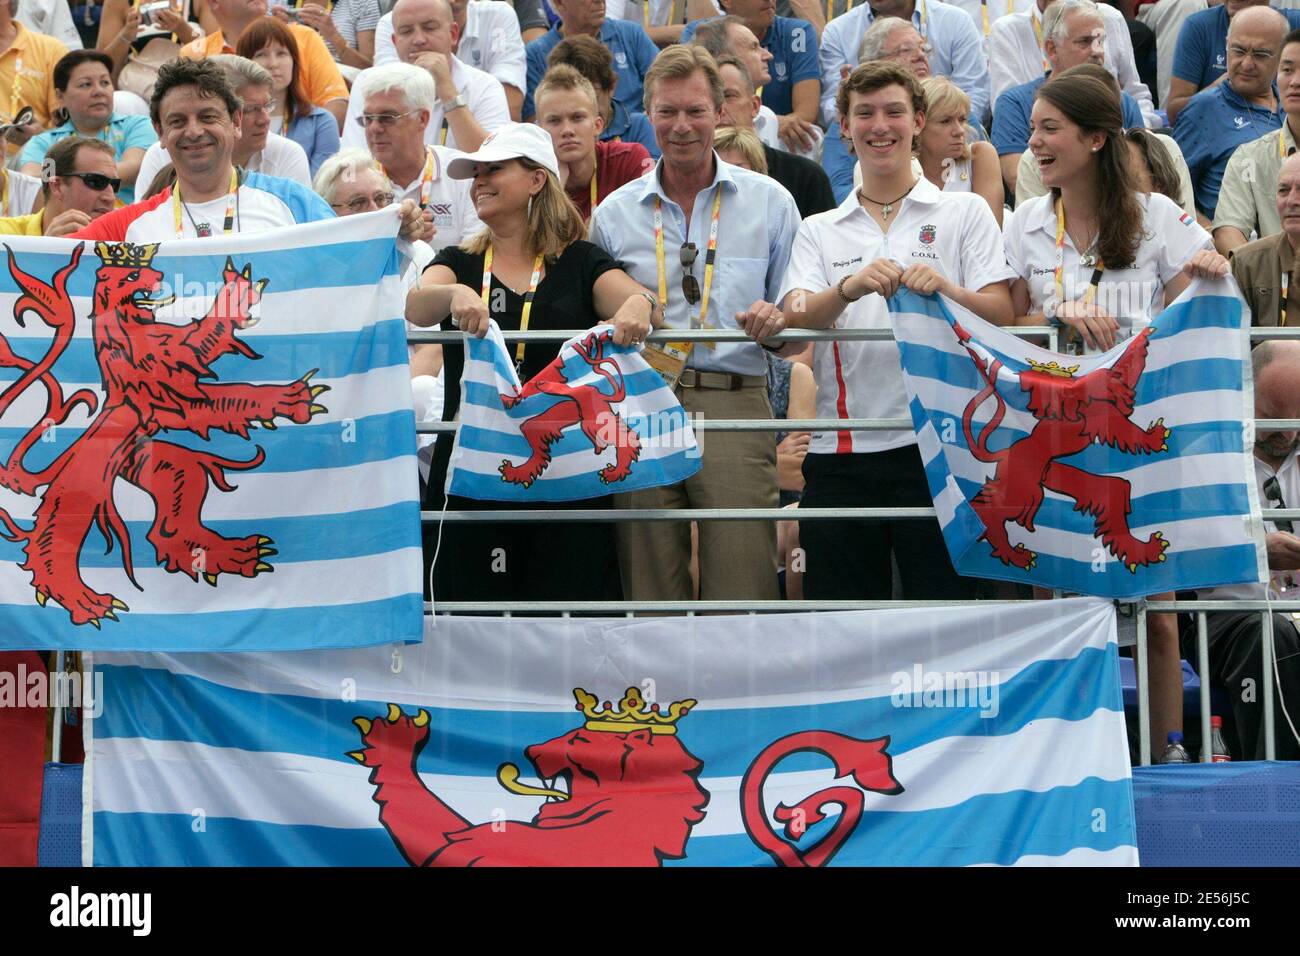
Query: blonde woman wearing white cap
[(543, 274)]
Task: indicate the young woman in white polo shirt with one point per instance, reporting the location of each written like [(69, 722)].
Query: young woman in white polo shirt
[(844, 266), (1140, 252)]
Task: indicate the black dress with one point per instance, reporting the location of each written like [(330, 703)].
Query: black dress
[(532, 561)]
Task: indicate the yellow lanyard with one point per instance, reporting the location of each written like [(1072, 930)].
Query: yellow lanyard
[(984, 12), (1091, 291), (709, 256), (426, 177), (593, 192), (528, 297), (226, 228), (830, 9), (442, 133), (1038, 35), (13, 91), (1286, 288), (645, 14)]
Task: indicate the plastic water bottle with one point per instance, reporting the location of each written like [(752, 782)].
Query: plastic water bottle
[(1174, 751), (1218, 749)]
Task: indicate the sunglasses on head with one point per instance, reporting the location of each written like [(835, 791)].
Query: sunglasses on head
[(690, 285), (97, 181)]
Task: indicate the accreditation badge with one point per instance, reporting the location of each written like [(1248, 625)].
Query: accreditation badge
[(668, 359)]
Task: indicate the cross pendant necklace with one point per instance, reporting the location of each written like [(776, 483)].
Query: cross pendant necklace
[(885, 207)]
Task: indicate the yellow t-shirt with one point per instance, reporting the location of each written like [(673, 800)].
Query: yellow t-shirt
[(32, 224), (35, 87), (321, 79)]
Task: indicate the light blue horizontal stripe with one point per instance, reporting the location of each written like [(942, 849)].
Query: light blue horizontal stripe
[(329, 537), (284, 357), (478, 393), (391, 620), (573, 440), (331, 266), (160, 705), (648, 473), (994, 828)]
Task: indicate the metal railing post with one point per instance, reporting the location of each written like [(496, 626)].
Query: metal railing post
[(1266, 656), (1203, 669), (1143, 688)]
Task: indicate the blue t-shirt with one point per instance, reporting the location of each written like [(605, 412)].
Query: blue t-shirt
[(122, 133), (1213, 124), (318, 135), (1201, 56), (633, 51), (629, 127), (793, 45), (1011, 116)]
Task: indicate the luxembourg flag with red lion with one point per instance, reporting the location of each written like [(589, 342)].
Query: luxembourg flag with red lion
[(1120, 475), (207, 444)]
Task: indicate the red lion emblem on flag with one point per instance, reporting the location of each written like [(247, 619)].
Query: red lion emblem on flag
[(155, 377), (1072, 414), (622, 790)]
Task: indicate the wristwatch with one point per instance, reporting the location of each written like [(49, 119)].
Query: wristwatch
[(455, 103)]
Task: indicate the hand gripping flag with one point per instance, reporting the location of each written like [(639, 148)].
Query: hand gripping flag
[(597, 419), (181, 419), (1120, 475)]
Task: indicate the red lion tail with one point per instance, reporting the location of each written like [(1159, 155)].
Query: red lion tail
[(979, 446), (592, 350), (866, 761)]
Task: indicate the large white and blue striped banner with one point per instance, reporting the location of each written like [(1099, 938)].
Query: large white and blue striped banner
[(993, 735), (1121, 475), (598, 419), (233, 469)]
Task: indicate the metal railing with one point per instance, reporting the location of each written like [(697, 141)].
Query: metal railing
[(1139, 609)]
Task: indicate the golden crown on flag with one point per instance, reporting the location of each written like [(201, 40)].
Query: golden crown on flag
[(631, 713), (126, 254), (1051, 368)]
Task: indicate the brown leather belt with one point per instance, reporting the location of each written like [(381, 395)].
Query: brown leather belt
[(691, 378)]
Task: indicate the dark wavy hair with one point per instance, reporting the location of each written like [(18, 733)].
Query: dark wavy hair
[(1095, 108), (267, 30), (208, 77), (70, 61)]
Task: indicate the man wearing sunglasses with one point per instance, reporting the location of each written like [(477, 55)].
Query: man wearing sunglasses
[(1235, 638), (82, 187)]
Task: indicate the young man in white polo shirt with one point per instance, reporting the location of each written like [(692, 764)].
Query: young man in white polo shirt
[(897, 231)]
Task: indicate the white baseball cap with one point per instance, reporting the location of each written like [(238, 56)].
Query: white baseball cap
[(512, 141)]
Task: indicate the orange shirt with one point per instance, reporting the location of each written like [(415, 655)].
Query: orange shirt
[(35, 88), (321, 79)]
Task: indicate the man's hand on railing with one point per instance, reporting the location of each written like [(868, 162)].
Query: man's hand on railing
[(762, 320), (1283, 551)]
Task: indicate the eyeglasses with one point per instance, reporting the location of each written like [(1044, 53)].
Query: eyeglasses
[(361, 203), (908, 49), (690, 285), (1273, 492), (383, 119), (97, 181), (1258, 56), (248, 109)]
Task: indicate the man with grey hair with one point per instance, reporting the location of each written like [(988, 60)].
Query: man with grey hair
[(1242, 108), (1074, 32), (258, 149), (397, 100), (892, 38), (1017, 51), (468, 103)]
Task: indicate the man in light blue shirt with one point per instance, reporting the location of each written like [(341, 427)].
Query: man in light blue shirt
[(631, 46), (688, 190), (957, 51)]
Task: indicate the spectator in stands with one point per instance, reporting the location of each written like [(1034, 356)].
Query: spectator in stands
[(653, 15), (1166, 19), (1247, 202), (397, 101), (956, 50), (470, 103), (320, 75), (947, 157), (19, 193), (593, 60), (1073, 33), (198, 118), (53, 18), (346, 26), (1170, 178), (1236, 637), (632, 49), (734, 228), (36, 55), (487, 38), (740, 147), (1201, 56), (81, 186), (1018, 54), (1265, 269), (892, 38), (257, 149), (794, 91), (269, 44), (139, 43), (546, 277), (844, 266), (1242, 108), (590, 170), (804, 179), (83, 83)]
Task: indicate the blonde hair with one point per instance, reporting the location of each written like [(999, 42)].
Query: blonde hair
[(564, 78), (678, 62), (553, 221), (944, 97), (743, 141)]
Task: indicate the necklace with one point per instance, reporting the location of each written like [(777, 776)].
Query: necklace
[(886, 207)]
